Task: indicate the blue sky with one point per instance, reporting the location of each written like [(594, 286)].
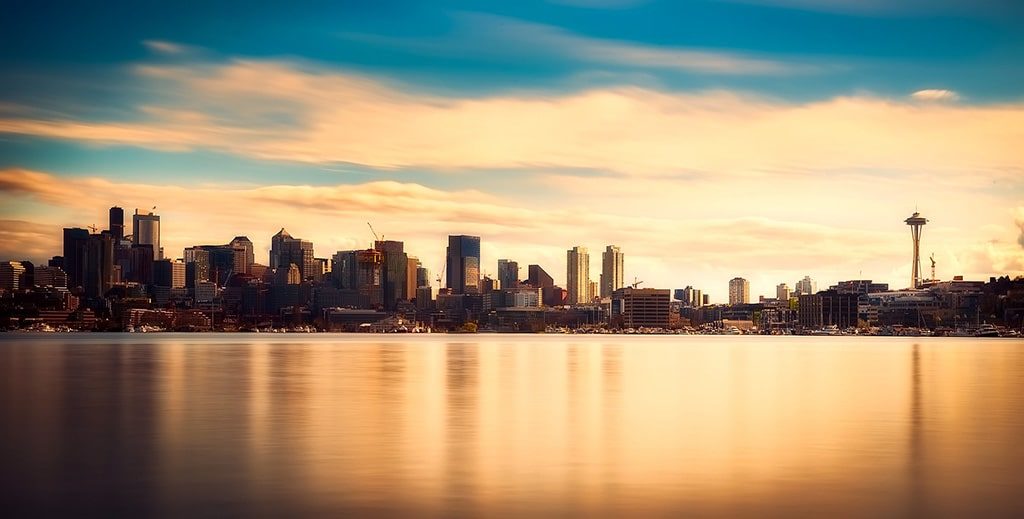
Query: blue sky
[(823, 121)]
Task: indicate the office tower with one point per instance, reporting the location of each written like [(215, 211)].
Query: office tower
[(489, 284), (142, 258), (11, 274), (422, 276), (611, 270), (508, 273), (394, 272), (286, 250), (411, 278), (640, 307), (170, 274), (782, 292), (916, 222), (116, 224), (360, 273), (277, 246), (705, 300), (577, 274), (197, 266), (592, 291), (538, 278), (698, 298), (74, 261), (739, 291), (98, 265), (463, 264), (249, 253), (806, 286), (146, 231)]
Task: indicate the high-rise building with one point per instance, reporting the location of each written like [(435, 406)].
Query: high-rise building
[(286, 250), (98, 267), (170, 274), (577, 273), (592, 291), (197, 266), (422, 276), (116, 224), (11, 273), (360, 273), (539, 278), (463, 264), (698, 298), (249, 253), (611, 270), (74, 259), (782, 292), (395, 272), (806, 286), (508, 273), (146, 231), (739, 291), (411, 278)]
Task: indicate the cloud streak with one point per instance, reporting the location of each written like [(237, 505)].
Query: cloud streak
[(279, 111)]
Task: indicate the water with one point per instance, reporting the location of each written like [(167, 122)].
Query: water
[(506, 426)]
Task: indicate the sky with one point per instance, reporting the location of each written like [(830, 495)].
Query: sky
[(709, 139)]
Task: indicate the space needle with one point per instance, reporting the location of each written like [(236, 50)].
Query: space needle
[(916, 221)]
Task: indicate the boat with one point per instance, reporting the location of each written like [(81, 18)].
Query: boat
[(986, 330)]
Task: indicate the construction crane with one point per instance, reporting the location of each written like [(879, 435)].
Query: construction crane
[(636, 283), (441, 275), (375, 237), (92, 228), (932, 257)]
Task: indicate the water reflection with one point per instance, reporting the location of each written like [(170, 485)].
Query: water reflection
[(510, 426)]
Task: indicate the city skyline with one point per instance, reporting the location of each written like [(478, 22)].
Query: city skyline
[(770, 141)]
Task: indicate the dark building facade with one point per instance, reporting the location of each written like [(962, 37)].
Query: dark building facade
[(74, 255), (394, 272), (116, 224), (463, 265), (539, 278), (827, 308), (641, 307)]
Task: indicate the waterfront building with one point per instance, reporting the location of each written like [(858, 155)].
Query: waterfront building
[(611, 270), (11, 273), (739, 291), (539, 278), (640, 307), (578, 274)]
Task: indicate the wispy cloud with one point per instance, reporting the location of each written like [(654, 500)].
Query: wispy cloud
[(166, 47), (500, 37), (935, 95)]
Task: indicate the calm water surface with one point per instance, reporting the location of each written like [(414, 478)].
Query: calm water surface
[(500, 426)]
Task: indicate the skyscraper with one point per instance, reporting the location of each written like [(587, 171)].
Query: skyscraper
[(98, 265), (508, 273), (577, 274), (11, 274), (285, 250), (806, 286), (611, 270), (539, 278), (463, 265), (394, 272), (782, 292), (739, 291), (116, 225), (146, 231), (74, 255), (244, 243)]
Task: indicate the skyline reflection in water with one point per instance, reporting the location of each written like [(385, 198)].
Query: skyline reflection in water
[(499, 425)]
